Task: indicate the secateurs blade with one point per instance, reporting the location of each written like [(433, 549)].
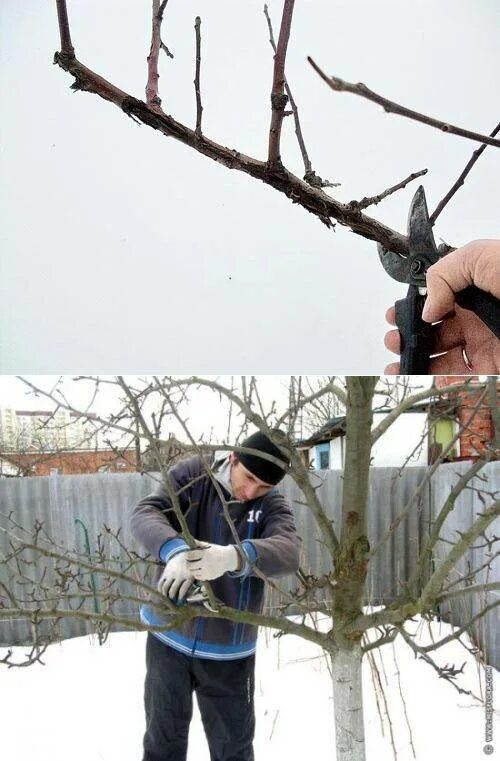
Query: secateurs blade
[(417, 335), (197, 595)]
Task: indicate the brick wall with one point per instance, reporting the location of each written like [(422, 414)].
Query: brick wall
[(478, 425), (72, 463)]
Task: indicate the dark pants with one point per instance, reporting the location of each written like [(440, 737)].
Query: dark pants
[(225, 693)]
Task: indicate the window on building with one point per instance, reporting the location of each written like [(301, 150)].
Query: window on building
[(324, 456), (441, 436)]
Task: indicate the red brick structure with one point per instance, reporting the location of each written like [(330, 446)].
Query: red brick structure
[(472, 414), (70, 463)]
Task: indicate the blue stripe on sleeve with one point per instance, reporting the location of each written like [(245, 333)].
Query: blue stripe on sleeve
[(251, 555), (172, 547)]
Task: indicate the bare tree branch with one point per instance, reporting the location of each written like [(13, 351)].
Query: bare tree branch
[(340, 85), (460, 181), (433, 586), (369, 201), (472, 589), (310, 175), (62, 15), (278, 97), (152, 97), (199, 107), (160, 19)]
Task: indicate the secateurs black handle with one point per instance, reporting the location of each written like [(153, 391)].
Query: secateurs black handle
[(416, 335), (485, 305)]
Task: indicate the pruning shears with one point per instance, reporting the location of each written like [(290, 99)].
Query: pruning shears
[(197, 595), (417, 335)]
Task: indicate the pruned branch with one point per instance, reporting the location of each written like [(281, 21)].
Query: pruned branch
[(340, 85)]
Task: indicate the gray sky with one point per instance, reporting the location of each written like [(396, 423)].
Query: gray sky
[(124, 251)]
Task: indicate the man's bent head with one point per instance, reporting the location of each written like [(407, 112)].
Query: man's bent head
[(253, 476)]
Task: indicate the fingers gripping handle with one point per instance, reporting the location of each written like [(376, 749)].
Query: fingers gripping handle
[(415, 334), (485, 305)]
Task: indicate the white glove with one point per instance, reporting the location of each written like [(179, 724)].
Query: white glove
[(176, 578), (212, 560)]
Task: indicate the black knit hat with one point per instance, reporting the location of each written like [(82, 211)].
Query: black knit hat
[(266, 470)]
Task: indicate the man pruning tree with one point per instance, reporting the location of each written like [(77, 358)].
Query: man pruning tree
[(213, 656)]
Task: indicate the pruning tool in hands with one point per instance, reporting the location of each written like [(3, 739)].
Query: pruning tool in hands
[(417, 335)]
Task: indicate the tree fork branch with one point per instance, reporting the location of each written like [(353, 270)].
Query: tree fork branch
[(340, 85), (310, 198)]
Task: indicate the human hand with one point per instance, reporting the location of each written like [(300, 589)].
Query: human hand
[(468, 344), (177, 578), (212, 560)]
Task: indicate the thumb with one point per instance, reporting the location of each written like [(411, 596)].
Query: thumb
[(440, 299)]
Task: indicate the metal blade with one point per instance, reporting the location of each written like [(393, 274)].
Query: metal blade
[(420, 235), (394, 264)]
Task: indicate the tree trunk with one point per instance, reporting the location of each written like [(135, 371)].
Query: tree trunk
[(348, 705)]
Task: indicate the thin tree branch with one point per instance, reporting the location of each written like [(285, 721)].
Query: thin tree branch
[(448, 506), (369, 201), (199, 107), (152, 97), (62, 16), (384, 639), (340, 85), (477, 153), (310, 175), (160, 19), (456, 634), (433, 586), (419, 651), (301, 402), (278, 97), (382, 427), (473, 589)]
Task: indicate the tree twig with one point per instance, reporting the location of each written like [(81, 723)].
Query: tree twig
[(439, 208), (160, 19), (62, 16), (369, 201), (152, 97), (310, 175), (199, 107), (278, 97), (340, 85)]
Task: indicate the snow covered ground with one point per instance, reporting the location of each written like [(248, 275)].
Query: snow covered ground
[(85, 704)]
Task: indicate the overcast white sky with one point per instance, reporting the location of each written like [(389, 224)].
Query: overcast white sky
[(124, 251)]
